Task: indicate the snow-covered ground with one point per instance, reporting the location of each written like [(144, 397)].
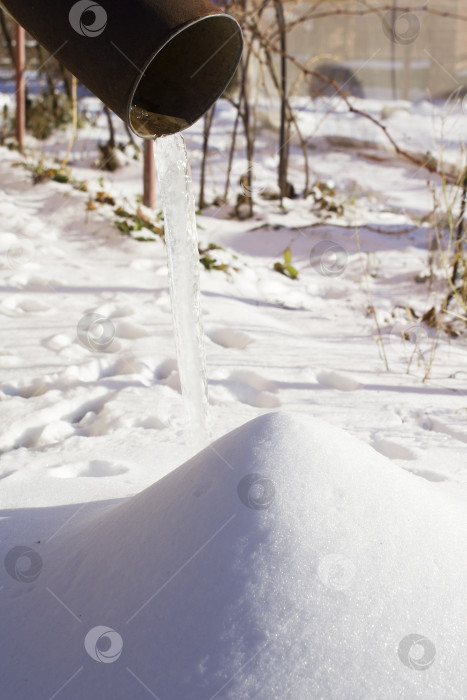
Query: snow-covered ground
[(295, 557)]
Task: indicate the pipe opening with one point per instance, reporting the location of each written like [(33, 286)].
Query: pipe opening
[(186, 76)]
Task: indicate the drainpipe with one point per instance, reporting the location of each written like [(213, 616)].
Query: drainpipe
[(158, 64)]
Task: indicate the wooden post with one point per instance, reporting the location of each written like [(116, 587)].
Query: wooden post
[(20, 53), (149, 175)]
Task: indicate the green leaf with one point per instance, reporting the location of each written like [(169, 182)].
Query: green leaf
[(124, 227), (292, 272), (207, 262), (287, 270), (60, 177), (287, 256), (122, 212)]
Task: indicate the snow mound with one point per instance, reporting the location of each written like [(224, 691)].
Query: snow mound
[(286, 560)]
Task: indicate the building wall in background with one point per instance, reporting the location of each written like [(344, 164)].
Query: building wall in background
[(427, 58)]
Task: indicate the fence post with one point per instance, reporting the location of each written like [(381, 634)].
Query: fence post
[(20, 53), (149, 175)]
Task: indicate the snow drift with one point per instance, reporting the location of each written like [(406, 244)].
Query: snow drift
[(286, 560)]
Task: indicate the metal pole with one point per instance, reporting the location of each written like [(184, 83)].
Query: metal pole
[(20, 53), (149, 175)]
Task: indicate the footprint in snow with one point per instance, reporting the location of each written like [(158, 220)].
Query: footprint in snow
[(427, 474), (392, 450), (250, 388), (114, 310), (54, 433), (130, 331), (13, 306), (440, 426), (58, 342), (167, 373), (96, 468), (33, 282), (335, 380), (228, 338), (27, 389)]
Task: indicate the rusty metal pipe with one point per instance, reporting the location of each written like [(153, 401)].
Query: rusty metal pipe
[(20, 57), (158, 64)]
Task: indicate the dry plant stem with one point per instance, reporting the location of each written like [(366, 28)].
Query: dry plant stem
[(45, 70), (48, 67), (111, 127), (249, 22), (74, 127), (380, 11), (459, 247), (241, 107), (269, 45), (291, 119), (442, 247), (245, 116), (233, 143), (208, 119), (371, 304), (284, 142), (67, 80), (287, 113), (250, 145), (267, 39), (428, 164), (243, 113), (429, 364), (7, 35)]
